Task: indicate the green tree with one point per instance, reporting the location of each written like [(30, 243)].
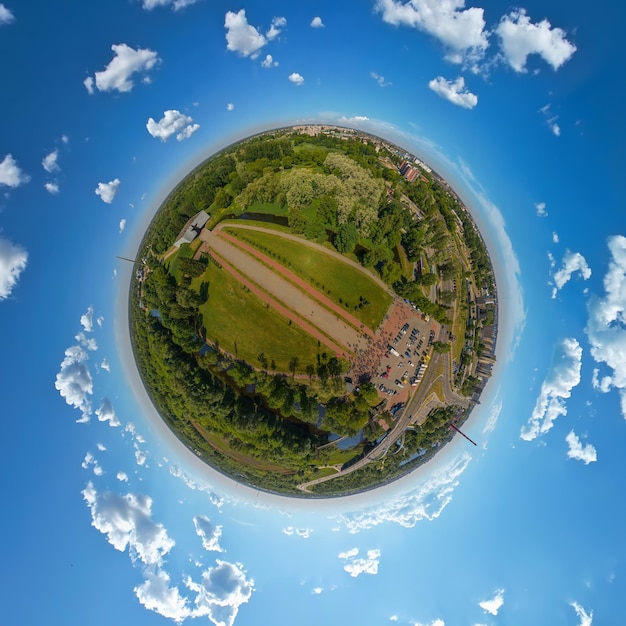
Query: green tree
[(346, 238)]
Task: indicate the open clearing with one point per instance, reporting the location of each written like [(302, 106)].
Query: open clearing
[(338, 278)]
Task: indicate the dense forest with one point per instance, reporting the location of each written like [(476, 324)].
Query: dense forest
[(259, 425)]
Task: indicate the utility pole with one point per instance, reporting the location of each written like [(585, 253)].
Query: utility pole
[(462, 433)]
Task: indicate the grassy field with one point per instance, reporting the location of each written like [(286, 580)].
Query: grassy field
[(234, 317), (342, 283)]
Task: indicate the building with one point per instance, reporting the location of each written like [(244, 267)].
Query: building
[(192, 228)]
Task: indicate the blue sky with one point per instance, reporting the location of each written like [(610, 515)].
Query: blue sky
[(107, 519)]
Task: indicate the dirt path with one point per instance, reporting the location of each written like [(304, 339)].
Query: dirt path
[(314, 246), (273, 288), (299, 282)]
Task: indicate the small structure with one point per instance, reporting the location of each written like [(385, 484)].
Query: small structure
[(192, 228)]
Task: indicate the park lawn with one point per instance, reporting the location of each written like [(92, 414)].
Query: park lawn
[(342, 283), (235, 318)]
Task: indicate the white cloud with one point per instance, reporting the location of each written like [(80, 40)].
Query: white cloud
[(461, 31), (117, 74), (222, 590), (86, 320), (156, 594), (241, 37), (435, 622), (127, 522), (584, 617), (278, 23), (13, 259), (572, 262), (148, 5), (101, 447), (316, 22), (122, 225), (554, 127), (493, 606), (172, 122), (90, 460), (557, 387), (140, 456), (380, 80), (49, 162), (268, 62), (230, 106), (586, 454), (52, 187), (296, 78), (365, 565), (74, 381), (540, 207), (106, 413), (354, 119), (426, 501), (209, 534), (122, 477), (10, 173), (107, 191), (317, 590), (555, 237), (454, 91), (606, 329), (519, 38), (6, 17)]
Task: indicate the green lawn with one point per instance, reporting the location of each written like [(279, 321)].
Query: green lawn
[(234, 315), (340, 282)]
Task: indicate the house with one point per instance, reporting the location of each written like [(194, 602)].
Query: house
[(192, 228)]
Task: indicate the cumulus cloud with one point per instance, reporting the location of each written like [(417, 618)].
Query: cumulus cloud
[(230, 106), (13, 259), (74, 381), (572, 262), (6, 17), (122, 225), (460, 30), (576, 450), (519, 38), (107, 191), (172, 122), (122, 477), (606, 326), (117, 74), (10, 173), (268, 62), (49, 162), (584, 617), (241, 37), (106, 413), (148, 5), (127, 522), (426, 501), (555, 237), (296, 78), (305, 533), (209, 533), (52, 187), (363, 565), (380, 80), (90, 461), (557, 388), (540, 207), (316, 22), (156, 594), (278, 23), (454, 91), (86, 320), (221, 591), (493, 605)]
